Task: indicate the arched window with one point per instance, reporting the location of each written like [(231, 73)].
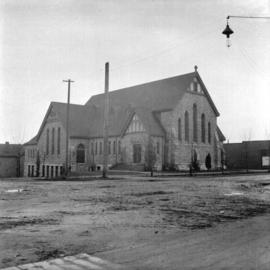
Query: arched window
[(53, 141), (92, 148), (114, 147), (100, 148), (109, 148), (195, 127), (119, 147), (195, 86), (209, 132), (47, 141), (58, 140), (179, 130), (80, 154), (186, 127), (203, 127)]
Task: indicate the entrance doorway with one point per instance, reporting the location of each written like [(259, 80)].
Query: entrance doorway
[(137, 153)]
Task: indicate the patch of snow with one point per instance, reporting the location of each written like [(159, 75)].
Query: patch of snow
[(234, 194), (14, 190)]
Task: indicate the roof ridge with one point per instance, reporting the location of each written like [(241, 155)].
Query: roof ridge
[(143, 84), (64, 103)]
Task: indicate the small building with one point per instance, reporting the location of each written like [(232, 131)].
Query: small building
[(248, 154), (11, 160), (174, 117)]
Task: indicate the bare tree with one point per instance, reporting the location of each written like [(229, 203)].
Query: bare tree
[(150, 156)]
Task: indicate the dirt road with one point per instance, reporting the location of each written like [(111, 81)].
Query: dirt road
[(148, 223), (239, 245)]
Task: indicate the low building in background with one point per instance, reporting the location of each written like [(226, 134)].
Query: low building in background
[(11, 160), (169, 123), (248, 155)]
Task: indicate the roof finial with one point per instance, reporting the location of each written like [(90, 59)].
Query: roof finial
[(196, 68)]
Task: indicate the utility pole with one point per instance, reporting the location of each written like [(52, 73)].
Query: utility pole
[(106, 122), (69, 81)]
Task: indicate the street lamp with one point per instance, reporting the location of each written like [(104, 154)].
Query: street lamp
[(228, 31)]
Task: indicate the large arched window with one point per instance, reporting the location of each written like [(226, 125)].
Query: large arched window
[(186, 127), (203, 127), (195, 123), (179, 130), (80, 154), (58, 140), (53, 134), (209, 132), (47, 141)]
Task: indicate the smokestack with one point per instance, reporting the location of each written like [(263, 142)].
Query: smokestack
[(106, 121)]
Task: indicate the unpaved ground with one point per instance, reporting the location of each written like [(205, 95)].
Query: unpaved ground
[(51, 219)]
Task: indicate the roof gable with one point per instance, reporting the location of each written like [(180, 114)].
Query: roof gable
[(145, 100), (79, 118), (205, 91), (135, 125)]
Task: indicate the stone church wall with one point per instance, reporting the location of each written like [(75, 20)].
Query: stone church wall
[(178, 153)]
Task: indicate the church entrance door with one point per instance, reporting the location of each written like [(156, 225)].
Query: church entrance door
[(137, 153)]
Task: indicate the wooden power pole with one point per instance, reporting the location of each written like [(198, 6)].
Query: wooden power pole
[(106, 122), (69, 81)]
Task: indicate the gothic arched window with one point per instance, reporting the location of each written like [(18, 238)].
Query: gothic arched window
[(179, 130), (195, 120), (58, 140), (53, 133), (209, 132), (186, 127), (47, 141), (203, 127), (80, 154)]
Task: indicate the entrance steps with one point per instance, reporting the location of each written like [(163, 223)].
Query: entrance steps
[(128, 167)]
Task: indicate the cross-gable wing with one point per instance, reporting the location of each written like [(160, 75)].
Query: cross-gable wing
[(135, 125)]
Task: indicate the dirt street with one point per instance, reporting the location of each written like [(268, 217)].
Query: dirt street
[(144, 223)]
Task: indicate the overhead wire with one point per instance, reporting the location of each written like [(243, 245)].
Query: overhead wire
[(161, 52)]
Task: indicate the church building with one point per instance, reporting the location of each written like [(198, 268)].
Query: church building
[(176, 116)]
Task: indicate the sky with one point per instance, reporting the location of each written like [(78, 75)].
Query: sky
[(44, 42)]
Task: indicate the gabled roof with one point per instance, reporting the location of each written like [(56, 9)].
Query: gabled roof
[(158, 95), (221, 137), (79, 118), (117, 118), (146, 100), (149, 121), (33, 141)]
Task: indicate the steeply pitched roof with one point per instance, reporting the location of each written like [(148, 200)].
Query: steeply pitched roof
[(79, 118), (145, 100), (33, 141), (220, 135), (158, 95), (149, 121)]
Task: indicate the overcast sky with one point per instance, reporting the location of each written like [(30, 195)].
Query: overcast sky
[(44, 42)]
